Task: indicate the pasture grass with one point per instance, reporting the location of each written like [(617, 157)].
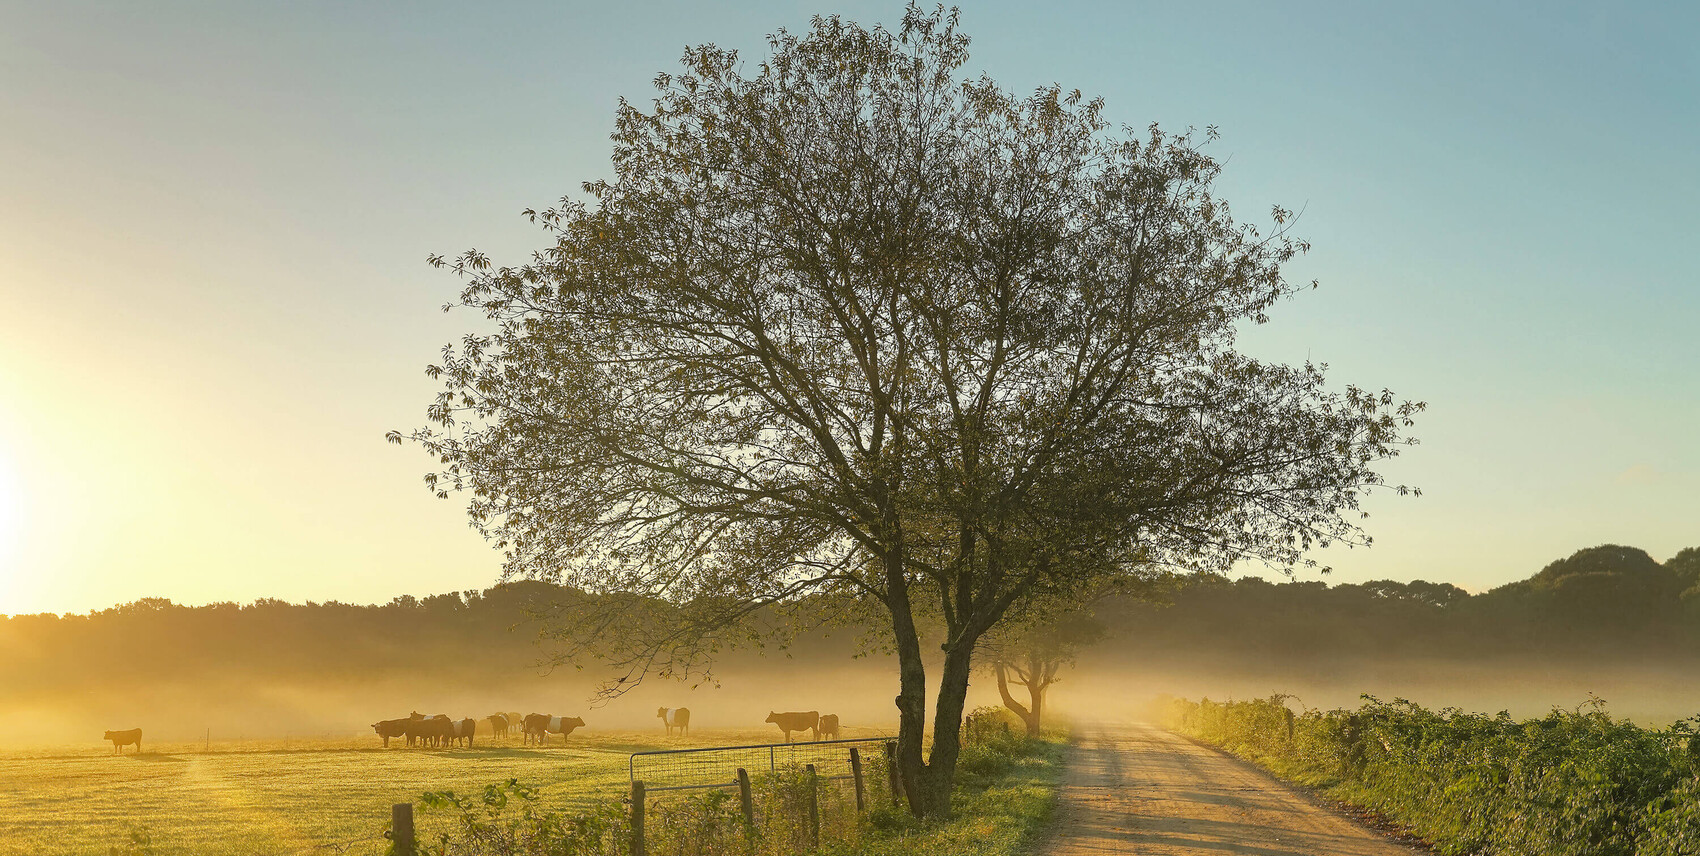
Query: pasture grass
[(327, 797), (1006, 794)]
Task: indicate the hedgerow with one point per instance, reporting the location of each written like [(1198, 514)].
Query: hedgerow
[(1572, 783)]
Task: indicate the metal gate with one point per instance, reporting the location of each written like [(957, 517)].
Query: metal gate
[(717, 767)]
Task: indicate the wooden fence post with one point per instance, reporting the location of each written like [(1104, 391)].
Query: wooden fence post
[(814, 807), (891, 770), (856, 770), (637, 817), (749, 803), (401, 828)]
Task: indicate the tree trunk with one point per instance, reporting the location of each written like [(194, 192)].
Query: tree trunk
[(912, 687), (947, 731), (1028, 718), (1036, 692)]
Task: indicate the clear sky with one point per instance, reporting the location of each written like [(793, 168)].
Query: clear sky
[(214, 219)]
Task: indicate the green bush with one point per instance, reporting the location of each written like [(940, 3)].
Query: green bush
[(992, 757), (1573, 783), (704, 824), (505, 820), (1005, 793)]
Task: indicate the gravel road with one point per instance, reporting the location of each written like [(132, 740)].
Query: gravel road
[(1137, 789)]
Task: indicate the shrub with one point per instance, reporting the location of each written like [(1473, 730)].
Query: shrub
[(505, 820), (1573, 783)]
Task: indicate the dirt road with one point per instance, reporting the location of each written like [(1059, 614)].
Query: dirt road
[(1140, 790)]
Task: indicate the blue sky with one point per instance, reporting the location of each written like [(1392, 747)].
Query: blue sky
[(214, 216)]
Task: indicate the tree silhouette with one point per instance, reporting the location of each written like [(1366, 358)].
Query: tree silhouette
[(1031, 653), (852, 325)]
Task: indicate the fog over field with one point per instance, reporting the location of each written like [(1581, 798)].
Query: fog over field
[(1606, 622), (234, 708), (1650, 694)]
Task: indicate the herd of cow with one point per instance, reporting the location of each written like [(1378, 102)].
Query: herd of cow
[(422, 730), (440, 730), (822, 726)]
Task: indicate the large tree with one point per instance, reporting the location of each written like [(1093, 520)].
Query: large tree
[(848, 324)]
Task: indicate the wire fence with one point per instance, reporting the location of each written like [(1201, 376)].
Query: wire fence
[(767, 799), (717, 767)]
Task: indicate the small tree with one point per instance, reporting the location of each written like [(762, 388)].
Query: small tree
[(852, 326), (1030, 654)]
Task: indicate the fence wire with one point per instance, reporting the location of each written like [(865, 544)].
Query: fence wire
[(791, 811), (717, 767)]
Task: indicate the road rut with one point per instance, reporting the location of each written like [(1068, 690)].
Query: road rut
[(1141, 790)]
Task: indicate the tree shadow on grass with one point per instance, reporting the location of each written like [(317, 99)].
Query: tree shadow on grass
[(513, 751)]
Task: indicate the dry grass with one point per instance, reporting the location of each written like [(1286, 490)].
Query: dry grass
[(300, 796)]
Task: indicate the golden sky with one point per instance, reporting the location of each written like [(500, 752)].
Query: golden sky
[(214, 219)]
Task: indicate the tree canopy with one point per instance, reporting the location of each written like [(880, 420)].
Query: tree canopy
[(848, 322)]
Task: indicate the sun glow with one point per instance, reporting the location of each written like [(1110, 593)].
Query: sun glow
[(11, 532)]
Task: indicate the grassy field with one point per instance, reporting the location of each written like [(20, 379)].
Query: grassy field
[(1004, 799), (301, 796)]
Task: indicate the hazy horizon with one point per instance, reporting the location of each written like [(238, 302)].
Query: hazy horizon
[(1330, 579)]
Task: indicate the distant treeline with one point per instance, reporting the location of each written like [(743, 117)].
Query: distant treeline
[(484, 636), (154, 638), (1598, 604)]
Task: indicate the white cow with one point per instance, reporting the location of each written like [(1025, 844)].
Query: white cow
[(463, 730), (675, 717), (538, 726)]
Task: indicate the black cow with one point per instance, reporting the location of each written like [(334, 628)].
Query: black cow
[(388, 728)]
